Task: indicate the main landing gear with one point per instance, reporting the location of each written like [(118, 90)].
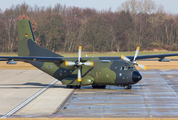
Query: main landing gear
[(99, 86), (73, 86), (127, 87)]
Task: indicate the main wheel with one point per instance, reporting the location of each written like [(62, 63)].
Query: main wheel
[(69, 86), (77, 86), (94, 86), (98, 86), (73, 86), (103, 86)]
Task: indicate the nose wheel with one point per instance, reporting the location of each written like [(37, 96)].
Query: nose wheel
[(127, 87)]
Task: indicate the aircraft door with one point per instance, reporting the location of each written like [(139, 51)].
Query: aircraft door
[(123, 75)]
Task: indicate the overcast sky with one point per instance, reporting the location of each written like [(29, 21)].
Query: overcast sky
[(170, 6)]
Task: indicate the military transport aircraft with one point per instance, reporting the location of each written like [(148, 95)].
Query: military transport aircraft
[(75, 72)]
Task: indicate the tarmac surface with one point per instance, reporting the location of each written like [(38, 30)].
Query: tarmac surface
[(155, 96), (16, 86)]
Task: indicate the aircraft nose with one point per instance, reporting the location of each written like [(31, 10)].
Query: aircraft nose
[(136, 76)]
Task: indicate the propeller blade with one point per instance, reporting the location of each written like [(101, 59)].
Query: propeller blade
[(88, 63), (136, 53), (69, 63), (124, 58), (79, 53), (142, 66), (79, 78)]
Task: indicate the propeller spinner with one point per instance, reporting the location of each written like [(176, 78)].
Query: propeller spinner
[(134, 60), (79, 64)]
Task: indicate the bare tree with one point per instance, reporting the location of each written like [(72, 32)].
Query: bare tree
[(10, 24), (140, 6), (129, 6)]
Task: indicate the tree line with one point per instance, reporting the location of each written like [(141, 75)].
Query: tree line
[(63, 29)]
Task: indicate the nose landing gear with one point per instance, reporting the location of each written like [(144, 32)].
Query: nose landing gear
[(127, 87)]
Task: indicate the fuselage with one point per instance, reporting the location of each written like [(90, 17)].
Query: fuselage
[(104, 72)]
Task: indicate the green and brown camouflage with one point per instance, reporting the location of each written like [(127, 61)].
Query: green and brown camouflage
[(95, 71), (102, 73)]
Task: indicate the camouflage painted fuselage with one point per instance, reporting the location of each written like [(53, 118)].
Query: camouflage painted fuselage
[(104, 71), (111, 72)]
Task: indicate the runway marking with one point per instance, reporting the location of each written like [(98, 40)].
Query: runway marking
[(28, 100)]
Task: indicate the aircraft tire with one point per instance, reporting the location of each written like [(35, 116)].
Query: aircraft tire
[(99, 86), (73, 86), (127, 87), (103, 86), (69, 86), (77, 86)]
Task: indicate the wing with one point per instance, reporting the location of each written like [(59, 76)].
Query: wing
[(83, 59), (140, 57), (155, 56), (27, 59), (161, 56), (44, 59)]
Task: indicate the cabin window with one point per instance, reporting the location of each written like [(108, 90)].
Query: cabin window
[(65, 73)]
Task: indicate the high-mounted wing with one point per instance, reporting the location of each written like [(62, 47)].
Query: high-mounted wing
[(83, 59), (139, 57), (153, 56), (31, 58), (44, 59)]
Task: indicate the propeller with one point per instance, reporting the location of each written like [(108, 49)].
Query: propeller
[(134, 60), (79, 64)]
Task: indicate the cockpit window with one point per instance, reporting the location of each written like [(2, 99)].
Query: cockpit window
[(130, 68), (122, 68), (126, 68)]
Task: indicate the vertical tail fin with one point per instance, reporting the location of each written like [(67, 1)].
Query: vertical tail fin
[(27, 45)]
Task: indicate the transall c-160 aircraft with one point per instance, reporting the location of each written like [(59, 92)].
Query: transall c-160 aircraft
[(75, 72)]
